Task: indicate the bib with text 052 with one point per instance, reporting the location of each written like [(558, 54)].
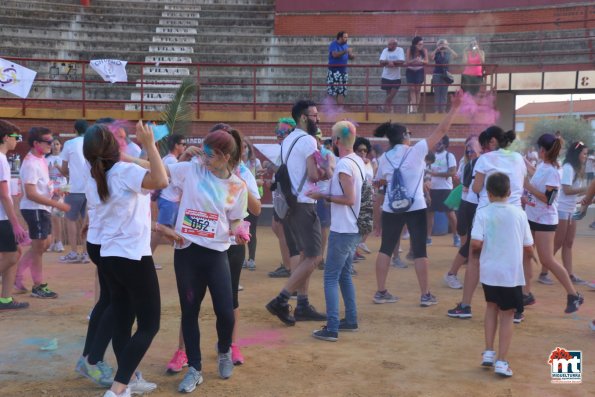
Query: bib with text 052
[(200, 223)]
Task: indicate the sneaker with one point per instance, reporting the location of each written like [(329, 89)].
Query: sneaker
[(282, 310), (344, 326), (19, 290), (125, 393), (157, 266), (460, 312), (358, 257), (225, 364), (592, 225), (245, 265), (280, 272), (429, 241), (428, 300), (308, 313), (93, 372), (456, 241), (398, 263), (105, 369), (544, 278), (528, 299), (50, 248), (577, 280), (293, 295), (384, 297), (573, 302), (406, 235), (488, 357), (240, 287), (84, 258), (364, 248), (591, 285), (138, 385), (353, 271), (58, 247), (324, 334), (42, 291), (518, 317), (452, 281), (13, 305), (251, 265), (502, 368), (192, 379), (71, 257), (236, 355), (177, 362)]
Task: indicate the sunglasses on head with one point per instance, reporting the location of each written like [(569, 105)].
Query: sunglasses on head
[(578, 144), (18, 137)]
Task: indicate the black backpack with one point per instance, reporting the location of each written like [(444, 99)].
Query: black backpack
[(283, 197)]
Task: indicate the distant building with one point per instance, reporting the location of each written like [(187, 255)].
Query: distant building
[(531, 113)]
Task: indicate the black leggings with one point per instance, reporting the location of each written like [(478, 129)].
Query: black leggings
[(253, 219), (465, 220), (134, 291), (235, 256), (99, 331), (196, 269), (392, 225)]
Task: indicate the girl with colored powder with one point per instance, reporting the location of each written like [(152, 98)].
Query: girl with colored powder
[(214, 201)]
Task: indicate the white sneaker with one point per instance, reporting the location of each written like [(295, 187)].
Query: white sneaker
[(138, 385), (58, 247), (502, 368), (452, 281), (84, 258), (50, 248), (71, 257), (364, 248), (397, 262), (488, 357), (125, 393), (405, 236)]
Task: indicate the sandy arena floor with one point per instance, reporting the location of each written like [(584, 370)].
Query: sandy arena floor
[(400, 350)]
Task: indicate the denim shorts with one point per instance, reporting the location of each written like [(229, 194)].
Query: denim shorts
[(78, 206), (323, 209), (168, 212), (564, 216)]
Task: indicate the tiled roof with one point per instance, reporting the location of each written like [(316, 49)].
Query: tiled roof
[(580, 106)]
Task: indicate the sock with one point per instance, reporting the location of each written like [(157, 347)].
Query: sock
[(463, 305), (6, 300), (302, 301), (284, 295)]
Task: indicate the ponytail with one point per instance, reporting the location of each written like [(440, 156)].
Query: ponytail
[(236, 156), (393, 131), (102, 151), (98, 173), (504, 138), (552, 145)]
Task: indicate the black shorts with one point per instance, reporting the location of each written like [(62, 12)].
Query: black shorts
[(392, 225), (8, 242), (507, 298), (39, 223), (438, 196), (539, 227), (465, 216), (471, 84), (387, 85), (415, 76), (302, 231)]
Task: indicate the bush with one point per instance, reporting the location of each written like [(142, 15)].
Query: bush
[(572, 129)]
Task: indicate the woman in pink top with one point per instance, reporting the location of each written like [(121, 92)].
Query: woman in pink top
[(472, 76)]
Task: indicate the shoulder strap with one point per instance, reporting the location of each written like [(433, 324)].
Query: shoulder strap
[(290, 149), (400, 163), (341, 186)]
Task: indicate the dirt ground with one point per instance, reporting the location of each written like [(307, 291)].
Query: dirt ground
[(401, 349)]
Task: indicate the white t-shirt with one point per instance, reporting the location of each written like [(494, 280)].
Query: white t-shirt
[(171, 192), (412, 171), (509, 163), (208, 206), (126, 215), (296, 163), (444, 161), (93, 201), (73, 153), (368, 171), (567, 203), (392, 56), (344, 217), (54, 162), (537, 210), (504, 230), (133, 149), (4, 177), (247, 176), (34, 171)]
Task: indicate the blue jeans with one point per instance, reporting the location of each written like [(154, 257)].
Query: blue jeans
[(440, 93), (337, 273)]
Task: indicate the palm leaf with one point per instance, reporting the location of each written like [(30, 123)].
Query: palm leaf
[(178, 113)]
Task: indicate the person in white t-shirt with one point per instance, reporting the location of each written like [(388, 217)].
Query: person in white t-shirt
[(36, 206), (125, 215), (345, 198), (499, 237), (574, 184), (362, 148), (542, 211), (392, 58), (74, 167), (11, 231), (389, 224), (55, 169)]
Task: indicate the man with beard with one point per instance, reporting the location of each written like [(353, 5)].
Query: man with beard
[(301, 224)]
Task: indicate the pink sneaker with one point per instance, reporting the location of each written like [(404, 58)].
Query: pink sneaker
[(177, 362), (236, 355)]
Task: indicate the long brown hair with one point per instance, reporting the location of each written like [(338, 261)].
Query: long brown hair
[(552, 145), (101, 150), (226, 142)]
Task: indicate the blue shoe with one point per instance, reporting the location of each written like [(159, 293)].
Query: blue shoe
[(456, 241)]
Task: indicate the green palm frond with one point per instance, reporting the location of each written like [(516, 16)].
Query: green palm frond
[(178, 113)]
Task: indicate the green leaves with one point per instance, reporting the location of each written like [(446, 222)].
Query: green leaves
[(178, 113)]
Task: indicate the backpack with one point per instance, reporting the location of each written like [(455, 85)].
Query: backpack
[(399, 200), (283, 197), (365, 218)]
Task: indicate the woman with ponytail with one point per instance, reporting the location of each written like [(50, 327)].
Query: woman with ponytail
[(123, 210), (214, 202), (542, 212)]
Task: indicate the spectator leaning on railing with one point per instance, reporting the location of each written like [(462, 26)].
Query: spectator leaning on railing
[(472, 77), (392, 58), (441, 77), (339, 53)]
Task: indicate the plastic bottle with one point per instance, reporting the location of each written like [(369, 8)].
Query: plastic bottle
[(17, 163)]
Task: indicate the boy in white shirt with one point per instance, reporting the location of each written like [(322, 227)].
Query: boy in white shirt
[(499, 236)]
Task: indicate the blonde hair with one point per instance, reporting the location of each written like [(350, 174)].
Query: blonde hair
[(345, 131)]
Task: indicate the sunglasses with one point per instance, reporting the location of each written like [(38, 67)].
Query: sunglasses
[(362, 150), (44, 141), (18, 137)]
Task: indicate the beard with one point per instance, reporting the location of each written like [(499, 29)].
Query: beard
[(311, 127)]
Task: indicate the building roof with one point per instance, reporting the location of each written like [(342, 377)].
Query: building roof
[(586, 107)]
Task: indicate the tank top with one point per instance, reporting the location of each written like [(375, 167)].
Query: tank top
[(473, 67)]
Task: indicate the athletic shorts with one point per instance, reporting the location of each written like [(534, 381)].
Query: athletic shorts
[(414, 76), (323, 210), (168, 212), (540, 227), (438, 196), (302, 231), (337, 82), (564, 216), (39, 223), (8, 242), (506, 298), (392, 225), (387, 85), (78, 206), (465, 216)]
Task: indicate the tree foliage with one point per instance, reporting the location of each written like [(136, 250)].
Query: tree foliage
[(178, 113), (572, 128)]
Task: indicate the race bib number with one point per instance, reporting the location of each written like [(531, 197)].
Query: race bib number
[(199, 223), (531, 201)]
